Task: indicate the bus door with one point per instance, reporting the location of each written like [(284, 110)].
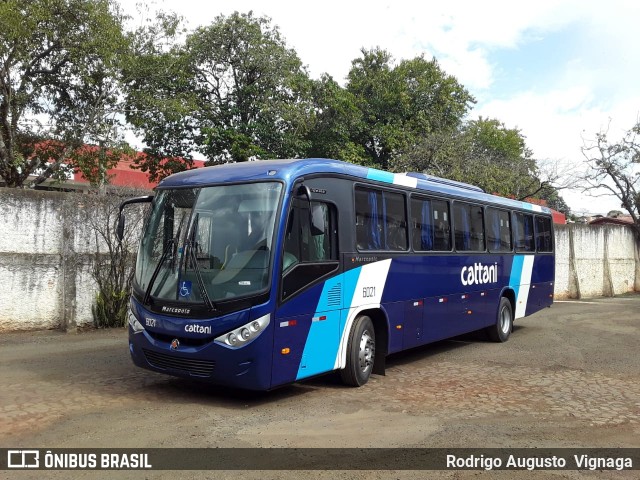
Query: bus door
[(307, 320)]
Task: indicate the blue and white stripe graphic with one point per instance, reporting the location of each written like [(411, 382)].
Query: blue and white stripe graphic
[(394, 178), (520, 281), (362, 289), (326, 345), (366, 293), (321, 346)]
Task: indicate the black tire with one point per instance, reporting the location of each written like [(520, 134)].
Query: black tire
[(361, 353), (500, 331)]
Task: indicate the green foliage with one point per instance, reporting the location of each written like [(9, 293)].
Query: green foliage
[(500, 162), (59, 59), (336, 121), (614, 213), (94, 161), (114, 261), (552, 196), (483, 152), (233, 91), (160, 101), (251, 87), (400, 105), (110, 309)]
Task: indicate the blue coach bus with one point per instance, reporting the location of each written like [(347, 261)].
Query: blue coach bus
[(263, 273)]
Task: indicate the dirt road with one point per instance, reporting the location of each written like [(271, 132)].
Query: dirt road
[(568, 377)]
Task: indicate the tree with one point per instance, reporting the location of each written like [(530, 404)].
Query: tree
[(400, 105), (613, 169), (499, 160), (252, 90), (160, 98), (335, 123), (59, 78), (233, 91), (484, 152), (113, 264)]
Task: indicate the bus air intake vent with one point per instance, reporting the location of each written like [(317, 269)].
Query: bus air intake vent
[(334, 296), (199, 368)]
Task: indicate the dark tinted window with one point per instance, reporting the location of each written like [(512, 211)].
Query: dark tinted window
[(381, 220), (468, 225), (299, 244), (431, 225), (523, 232), (308, 255), (544, 239), (498, 229)]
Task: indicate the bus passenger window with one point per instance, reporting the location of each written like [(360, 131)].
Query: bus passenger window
[(469, 227), (523, 232), (498, 230), (381, 220), (430, 219), (544, 242)]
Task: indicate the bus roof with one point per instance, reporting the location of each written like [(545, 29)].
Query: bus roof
[(291, 169)]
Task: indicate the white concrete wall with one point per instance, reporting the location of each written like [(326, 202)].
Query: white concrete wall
[(47, 244), (562, 286), (46, 250), (592, 261)]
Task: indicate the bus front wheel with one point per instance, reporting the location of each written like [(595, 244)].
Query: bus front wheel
[(500, 331), (361, 352)]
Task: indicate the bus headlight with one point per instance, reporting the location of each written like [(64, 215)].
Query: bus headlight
[(135, 325), (245, 334)]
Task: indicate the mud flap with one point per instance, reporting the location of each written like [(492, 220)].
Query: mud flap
[(379, 365)]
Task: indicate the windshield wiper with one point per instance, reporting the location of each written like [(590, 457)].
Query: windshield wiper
[(190, 245), (169, 247), (196, 268), (172, 245)]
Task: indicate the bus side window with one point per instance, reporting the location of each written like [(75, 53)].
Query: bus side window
[(544, 241), (430, 220), (307, 257), (299, 244), (498, 230), (524, 236), (469, 227), (381, 220)]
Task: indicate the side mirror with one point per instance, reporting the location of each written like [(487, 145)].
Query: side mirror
[(120, 228), (304, 191), (121, 221)]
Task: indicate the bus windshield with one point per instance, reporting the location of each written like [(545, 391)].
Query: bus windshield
[(209, 244)]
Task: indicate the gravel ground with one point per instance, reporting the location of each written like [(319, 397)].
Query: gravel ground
[(568, 377)]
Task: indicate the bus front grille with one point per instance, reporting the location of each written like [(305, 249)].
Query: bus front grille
[(200, 368)]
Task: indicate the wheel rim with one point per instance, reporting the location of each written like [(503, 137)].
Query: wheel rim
[(366, 352), (505, 320)]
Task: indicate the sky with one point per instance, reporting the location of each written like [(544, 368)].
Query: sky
[(560, 71)]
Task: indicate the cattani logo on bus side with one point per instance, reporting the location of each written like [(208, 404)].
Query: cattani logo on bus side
[(478, 273)]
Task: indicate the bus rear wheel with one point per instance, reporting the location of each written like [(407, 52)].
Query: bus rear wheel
[(500, 331), (361, 352)]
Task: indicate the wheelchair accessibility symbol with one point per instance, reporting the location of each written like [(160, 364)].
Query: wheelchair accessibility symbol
[(185, 288)]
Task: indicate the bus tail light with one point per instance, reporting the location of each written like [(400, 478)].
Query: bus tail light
[(245, 334)]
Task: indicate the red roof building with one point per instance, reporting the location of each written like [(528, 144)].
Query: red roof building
[(122, 175)]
